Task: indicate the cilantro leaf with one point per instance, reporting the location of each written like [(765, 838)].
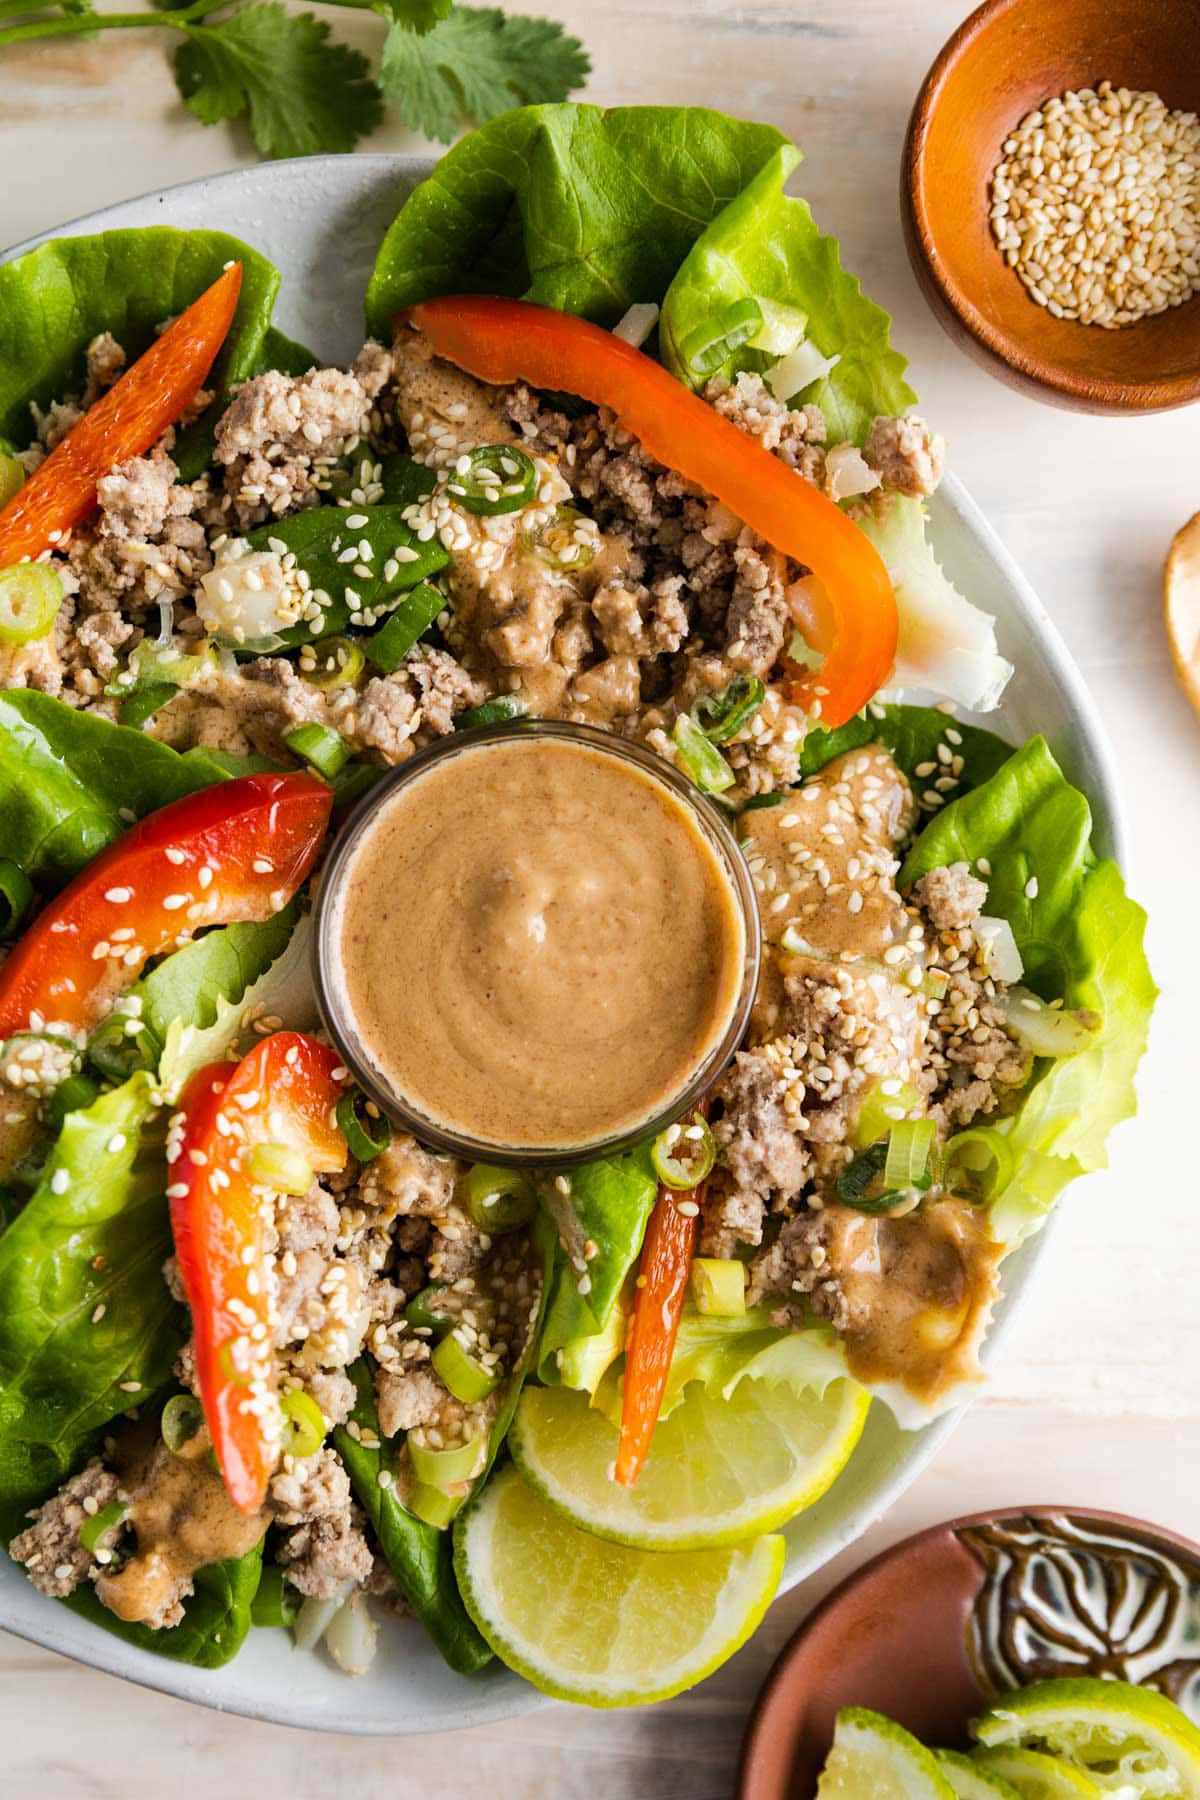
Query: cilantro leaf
[(477, 63), (302, 93), (415, 15)]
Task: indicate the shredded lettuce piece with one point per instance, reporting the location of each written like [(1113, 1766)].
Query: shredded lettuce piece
[(946, 644)]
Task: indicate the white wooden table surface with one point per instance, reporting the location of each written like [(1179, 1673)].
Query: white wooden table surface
[(1097, 1399)]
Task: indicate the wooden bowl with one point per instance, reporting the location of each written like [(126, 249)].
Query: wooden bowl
[(1006, 59)]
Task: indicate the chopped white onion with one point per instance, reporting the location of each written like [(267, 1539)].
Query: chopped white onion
[(637, 323), (998, 947), (799, 370), (847, 473), (352, 1636), (1047, 1030), (246, 599), (315, 1617)]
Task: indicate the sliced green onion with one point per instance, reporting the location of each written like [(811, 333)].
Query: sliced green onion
[(705, 764), (277, 1167), (683, 1154), (151, 661), (113, 1049), (333, 662), (909, 1148), (277, 1602), (860, 1186), (462, 1373), (316, 744), (424, 1311), (880, 1110), (144, 702), (1048, 1030), (721, 716), (110, 1518), (499, 1199), (355, 780), (30, 596), (978, 1164), (431, 1505), (719, 1286), (16, 896), (759, 802), (557, 544), (303, 1424), (388, 646), (444, 1468), (71, 1095), (405, 482), (358, 476), (710, 346), (493, 712), (499, 478), (783, 327), (366, 1131), (182, 1418), (12, 477)]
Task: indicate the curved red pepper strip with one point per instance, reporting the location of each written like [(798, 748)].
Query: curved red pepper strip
[(236, 851), (661, 1291), (284, 1092), (856, 626), (125, 422)]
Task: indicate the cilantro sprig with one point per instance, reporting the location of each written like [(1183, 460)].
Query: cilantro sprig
[(300, 91)]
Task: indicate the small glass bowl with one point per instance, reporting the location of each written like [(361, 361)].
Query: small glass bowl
[(341, 1027)]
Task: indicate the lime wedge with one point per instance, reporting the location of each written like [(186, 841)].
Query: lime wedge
[(970, 1781), (1037, 1777), (1124, 1736), (587, 1620), (719, 1471), (873, 1758)]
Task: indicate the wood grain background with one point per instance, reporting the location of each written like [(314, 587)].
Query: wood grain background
[(1096, 1401)]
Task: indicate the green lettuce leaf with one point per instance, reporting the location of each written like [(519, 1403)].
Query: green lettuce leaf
[(57, 298), (71, 782), (608, 1205), (95, 1248), (1081, 940), (419, 1555), (215, 1620), (912, 734), (191, 989), (581, 208), (765, 246)]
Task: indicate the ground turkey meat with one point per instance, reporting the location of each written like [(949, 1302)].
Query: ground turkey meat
[(315, 1487), (908, 454), (756, 1137), (323, 1555), (795, 434), (408, 1397), (795, 1264), (952, 897), (281, 434), (55, 1560), (407, 1178)]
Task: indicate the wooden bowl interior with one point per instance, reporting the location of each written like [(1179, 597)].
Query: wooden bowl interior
[(1007, 60)]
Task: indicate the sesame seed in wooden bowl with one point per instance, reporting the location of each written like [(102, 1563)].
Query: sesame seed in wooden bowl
[(1051, 194)]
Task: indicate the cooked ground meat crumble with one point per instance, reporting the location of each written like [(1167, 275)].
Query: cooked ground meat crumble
[(619, 596)]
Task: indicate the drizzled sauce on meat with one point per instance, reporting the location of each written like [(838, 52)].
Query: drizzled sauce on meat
[(538, 944)]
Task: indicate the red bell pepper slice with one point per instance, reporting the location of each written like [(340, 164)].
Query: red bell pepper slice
[(153, 392), (236, 851), (661, 1291), (856, 626), (284, 1092)]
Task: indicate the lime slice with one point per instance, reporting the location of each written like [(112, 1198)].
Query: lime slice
[(1037, 1777), (719, 1471), (970, 1781), (597, 1622), (1125, 1736), (873, 1758)]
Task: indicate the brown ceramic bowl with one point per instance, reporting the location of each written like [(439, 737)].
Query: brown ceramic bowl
[(935, 1627), (1007, 58)]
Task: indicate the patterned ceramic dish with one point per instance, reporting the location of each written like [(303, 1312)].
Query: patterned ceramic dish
[(936, 1626), (320, 221)]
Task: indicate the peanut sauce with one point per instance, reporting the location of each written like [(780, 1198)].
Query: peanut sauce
[(539, 945)]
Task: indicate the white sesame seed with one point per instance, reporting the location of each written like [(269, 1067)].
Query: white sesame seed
[(1031, 888)]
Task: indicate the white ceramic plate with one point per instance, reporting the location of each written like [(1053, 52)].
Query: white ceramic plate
[(320, 221)]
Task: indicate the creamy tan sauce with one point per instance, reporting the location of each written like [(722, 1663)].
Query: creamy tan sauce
[(920, 1290), (184, 1519), (538, 944)]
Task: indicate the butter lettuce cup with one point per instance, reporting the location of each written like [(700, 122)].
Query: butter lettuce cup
[(536, 944)]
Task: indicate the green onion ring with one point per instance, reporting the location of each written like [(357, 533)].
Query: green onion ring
[(366, 1136)]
